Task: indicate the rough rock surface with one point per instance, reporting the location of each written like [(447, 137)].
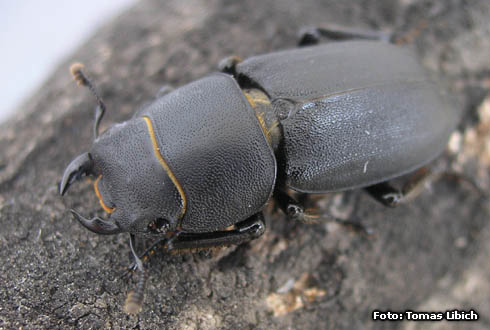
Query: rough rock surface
[(431, 254)]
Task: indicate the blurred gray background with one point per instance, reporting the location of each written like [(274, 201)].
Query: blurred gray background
[(36, 35)]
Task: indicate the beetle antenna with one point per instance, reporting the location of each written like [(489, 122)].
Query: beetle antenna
[(82, 80), (135, 298)]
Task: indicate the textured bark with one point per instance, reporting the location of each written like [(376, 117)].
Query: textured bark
[(431, 254)]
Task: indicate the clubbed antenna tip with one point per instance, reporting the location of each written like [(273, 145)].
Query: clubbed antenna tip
[(78, 75), (134, 301), (133, 304), (82, 80)]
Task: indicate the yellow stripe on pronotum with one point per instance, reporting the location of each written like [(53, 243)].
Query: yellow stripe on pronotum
[(165, 166), (97, 192)]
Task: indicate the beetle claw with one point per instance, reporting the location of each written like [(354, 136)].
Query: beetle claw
[(74, 171), (97, 225)]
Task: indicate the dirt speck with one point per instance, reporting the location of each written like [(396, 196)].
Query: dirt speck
[(294, 295)]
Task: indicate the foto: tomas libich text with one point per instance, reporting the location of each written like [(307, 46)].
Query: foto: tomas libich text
[(409, 315)]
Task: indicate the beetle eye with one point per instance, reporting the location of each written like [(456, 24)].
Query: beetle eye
[(158, 226)]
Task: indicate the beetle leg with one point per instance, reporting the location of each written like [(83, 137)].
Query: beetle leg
[(389, 196), (385, 193), (312, 36), (244, 231), (228, 64), (295, 211)]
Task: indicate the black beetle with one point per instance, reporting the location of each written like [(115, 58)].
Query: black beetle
[(196, 166)]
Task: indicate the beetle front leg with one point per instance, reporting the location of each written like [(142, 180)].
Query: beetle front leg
[(244, 231)]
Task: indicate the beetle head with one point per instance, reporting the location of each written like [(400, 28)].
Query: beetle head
[(130, 182)]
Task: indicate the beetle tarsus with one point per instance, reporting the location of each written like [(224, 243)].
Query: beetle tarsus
[(464, 179)]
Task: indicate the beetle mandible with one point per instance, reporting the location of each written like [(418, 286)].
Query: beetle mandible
[(208, 156)]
